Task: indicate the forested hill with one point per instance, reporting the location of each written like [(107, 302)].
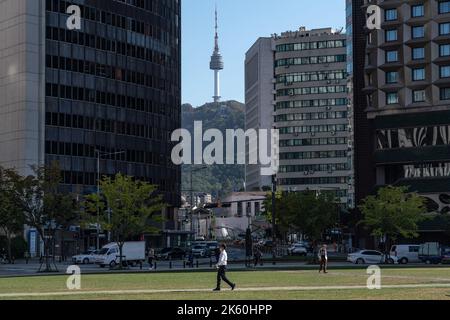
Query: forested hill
[(219, 179)]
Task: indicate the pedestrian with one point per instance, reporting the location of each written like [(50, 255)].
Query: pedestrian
[(222, 269), (151, 257), (26, 255), (257, 256), (323, 257)]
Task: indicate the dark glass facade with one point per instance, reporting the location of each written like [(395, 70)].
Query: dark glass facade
[(364, 166), (114, 87)]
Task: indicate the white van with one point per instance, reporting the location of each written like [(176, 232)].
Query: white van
[(133, 253), (406, 253)]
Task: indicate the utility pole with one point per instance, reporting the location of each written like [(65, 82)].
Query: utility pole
[(274, 237), (192, 170)]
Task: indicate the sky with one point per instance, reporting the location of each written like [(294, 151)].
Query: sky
[(241, 23)]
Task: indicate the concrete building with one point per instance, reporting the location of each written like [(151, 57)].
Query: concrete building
[(110, 90), (259, 101), (407, 89), (311, 111), (243, 209)]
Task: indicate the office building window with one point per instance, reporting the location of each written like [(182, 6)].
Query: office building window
[(391, 35), (390, 15), (444, 29), (392, 77), (418, 74), (418, 32), (417, 11), (444, 7), (418, 53), (444, 50), (444, 71), (418, 95), (392, 98), (392, 56), (445, 93)]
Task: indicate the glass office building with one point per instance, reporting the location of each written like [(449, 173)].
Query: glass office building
[(111, 90)]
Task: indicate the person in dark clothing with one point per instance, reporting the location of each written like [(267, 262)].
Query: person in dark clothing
[(26, 256), (222, 268), (257, 256)]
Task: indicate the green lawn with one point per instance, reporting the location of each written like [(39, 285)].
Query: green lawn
[(253, 280)]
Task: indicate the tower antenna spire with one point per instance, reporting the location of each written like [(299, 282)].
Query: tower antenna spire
[(216, 63)]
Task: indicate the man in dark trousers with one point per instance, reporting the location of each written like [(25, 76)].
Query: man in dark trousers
[(323, 257), (222, 268)]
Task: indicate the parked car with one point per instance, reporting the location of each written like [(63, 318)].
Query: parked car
[(86, 258), (171, 254), (446, 255), (405, 253), (266, 243), (430, 253), (212, 245), (199, 251), (366, 257), (297, 249)]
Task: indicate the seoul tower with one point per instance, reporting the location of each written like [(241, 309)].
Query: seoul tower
[(216, 65)]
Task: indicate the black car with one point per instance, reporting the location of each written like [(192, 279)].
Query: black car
[(171, 254)]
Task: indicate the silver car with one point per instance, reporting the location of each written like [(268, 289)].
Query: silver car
[(366, 257)]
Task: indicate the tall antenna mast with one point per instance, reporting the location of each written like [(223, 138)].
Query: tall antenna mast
[(216, 63)]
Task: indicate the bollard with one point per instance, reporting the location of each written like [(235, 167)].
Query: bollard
[(184, 264), (197, 263), (170, 264), (210, 262), (154, 265), (141, 265)]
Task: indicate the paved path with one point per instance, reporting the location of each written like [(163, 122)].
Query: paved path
[(260, 289)]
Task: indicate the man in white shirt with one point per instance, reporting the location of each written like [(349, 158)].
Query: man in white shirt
[(222, 268), (323, 258)]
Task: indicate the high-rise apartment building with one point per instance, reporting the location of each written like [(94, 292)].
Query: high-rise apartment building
[(297, 83), (111, 89), (311, 111), (259, 102)]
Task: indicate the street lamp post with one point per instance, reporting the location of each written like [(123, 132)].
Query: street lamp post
[(99, 155)]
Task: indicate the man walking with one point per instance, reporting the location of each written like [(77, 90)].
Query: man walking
[(323, 257), (151, 256), (222, 268), (257, 256)]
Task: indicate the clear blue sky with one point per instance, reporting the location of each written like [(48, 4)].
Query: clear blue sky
[(241, 22)]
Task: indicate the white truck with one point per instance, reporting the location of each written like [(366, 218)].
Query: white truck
[(133, 253)]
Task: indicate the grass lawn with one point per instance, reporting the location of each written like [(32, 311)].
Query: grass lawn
[(278, 284)]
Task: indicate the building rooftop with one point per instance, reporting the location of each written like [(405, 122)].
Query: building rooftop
[(303, 32)]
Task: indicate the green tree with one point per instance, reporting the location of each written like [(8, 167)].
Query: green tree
[(306, 212), (134, 208), (393, 212), (45, 205), (11, 215)]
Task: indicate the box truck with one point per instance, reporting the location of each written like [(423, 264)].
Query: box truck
[(133, 253), (430, 253)]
